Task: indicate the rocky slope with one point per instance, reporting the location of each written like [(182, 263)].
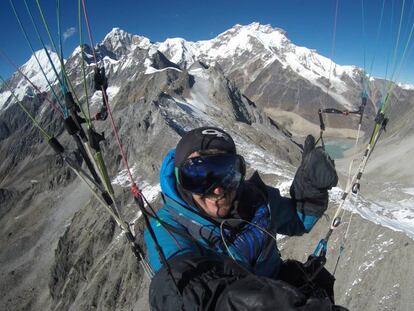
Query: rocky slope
[(60, 251)]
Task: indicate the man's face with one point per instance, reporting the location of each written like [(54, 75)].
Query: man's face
[(217, 204)]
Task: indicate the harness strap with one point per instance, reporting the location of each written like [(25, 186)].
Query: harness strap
[(195, 230)]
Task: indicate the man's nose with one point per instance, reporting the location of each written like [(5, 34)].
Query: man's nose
[(218, 190)]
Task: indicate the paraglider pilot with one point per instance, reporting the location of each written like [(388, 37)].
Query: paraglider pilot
[(217, 229)]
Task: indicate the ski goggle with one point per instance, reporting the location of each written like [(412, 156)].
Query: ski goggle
[(202, 174)]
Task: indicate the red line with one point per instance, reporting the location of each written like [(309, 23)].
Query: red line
[(174, 238), (134, 188), (36, 88), (106, 101), (117, 138), (89, 30)]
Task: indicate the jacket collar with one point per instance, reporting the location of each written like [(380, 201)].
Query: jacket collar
[(168, 181)]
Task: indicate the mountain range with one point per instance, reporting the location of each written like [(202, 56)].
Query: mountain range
[(60, 251)]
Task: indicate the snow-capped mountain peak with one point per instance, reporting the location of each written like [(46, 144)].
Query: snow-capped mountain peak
[(31, 69), (32, 66), (256, 45), (34, 72), (239, 39), (121, 41), (117, 35), (241, 35), (179, 51), (406, 86)]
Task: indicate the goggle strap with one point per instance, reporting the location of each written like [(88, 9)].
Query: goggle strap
[(177, 174)]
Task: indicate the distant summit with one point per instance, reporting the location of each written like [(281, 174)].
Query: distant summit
[(32, 71)]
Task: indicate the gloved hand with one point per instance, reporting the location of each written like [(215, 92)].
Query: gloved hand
[(216, 282), (314, 177)]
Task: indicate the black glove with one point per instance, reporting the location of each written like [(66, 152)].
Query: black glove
[(314, 177), (215, 282), (100, 79)]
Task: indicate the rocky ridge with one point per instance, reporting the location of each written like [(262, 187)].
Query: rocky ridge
[(61, 252)]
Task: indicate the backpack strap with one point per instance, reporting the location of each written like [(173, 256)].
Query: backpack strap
[(196, 230)]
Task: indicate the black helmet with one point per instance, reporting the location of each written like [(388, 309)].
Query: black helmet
[(203, 138)]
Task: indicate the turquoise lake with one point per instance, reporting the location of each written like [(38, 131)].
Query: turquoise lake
[(337, 147)]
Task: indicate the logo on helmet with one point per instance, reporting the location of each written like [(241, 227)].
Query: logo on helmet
[(215, 133)]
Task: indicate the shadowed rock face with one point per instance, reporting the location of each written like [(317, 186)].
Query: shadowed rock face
[(60, 251)]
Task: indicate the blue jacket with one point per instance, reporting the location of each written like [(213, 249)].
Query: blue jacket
[(184, 229)]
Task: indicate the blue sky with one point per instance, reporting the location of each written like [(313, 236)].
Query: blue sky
[(308, 23)]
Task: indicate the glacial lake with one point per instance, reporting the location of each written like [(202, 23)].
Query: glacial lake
[(337, 147)]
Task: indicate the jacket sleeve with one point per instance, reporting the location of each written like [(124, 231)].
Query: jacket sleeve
[(172, 238), (286, 218), (314, 177), (215, 282)]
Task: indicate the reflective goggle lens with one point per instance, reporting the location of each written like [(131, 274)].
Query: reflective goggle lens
[(203, 174)]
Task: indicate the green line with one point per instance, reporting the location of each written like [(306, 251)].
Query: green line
[(398, 40), (98, 155), (59, 28), (41, 41), (389, 50), (391, 84), (377, 37), (72, 89), (61, 60), (35, 56), (403, 58), (82, 58), (104, 172), (35, 123), (374, 133), (60, 42), (405, 51), (48, 32), (363, 33)]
